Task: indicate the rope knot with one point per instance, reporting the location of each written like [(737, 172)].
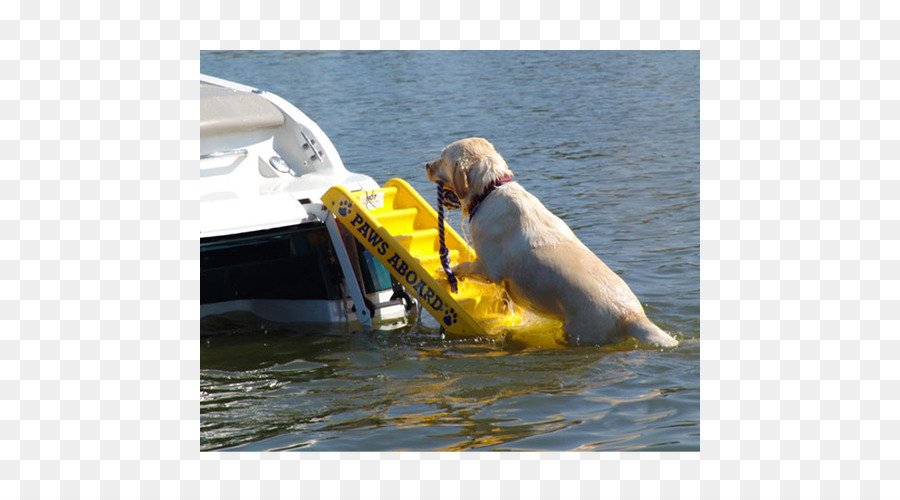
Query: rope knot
[(447, 197)]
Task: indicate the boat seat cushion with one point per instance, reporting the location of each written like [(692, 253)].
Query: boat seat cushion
[(226, 111)]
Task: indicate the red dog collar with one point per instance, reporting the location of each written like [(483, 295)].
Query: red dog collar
[(476, 202)]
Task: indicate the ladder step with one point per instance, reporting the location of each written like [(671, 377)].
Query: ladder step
[(397, 221), (432, 260), (377, 200), (422, 241)]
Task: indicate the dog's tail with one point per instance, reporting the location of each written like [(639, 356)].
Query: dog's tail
[(646, 332)]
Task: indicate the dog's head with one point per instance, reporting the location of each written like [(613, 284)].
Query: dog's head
[(468, 167)]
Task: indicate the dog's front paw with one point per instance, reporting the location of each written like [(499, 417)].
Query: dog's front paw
[(463, 268), (471, 269)]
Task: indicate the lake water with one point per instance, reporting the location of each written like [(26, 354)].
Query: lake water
[(609, 141)]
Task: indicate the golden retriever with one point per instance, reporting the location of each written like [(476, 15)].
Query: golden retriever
[(534, 254)]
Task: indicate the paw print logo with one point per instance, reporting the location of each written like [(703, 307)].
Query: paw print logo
[(344, 208), (450, 317)]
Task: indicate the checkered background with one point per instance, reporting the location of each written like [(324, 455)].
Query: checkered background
[(99, 274)]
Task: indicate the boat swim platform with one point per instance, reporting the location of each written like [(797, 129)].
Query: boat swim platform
[(397, 226)]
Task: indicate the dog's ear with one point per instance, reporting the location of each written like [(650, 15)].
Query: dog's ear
[(460, 180)]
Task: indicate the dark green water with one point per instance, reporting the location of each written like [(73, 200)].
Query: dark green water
[(608, 140)]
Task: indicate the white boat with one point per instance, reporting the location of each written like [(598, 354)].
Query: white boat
[(267, 245)]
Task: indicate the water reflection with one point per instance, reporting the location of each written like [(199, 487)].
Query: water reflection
[(411, 390)]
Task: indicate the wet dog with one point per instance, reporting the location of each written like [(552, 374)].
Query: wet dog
[(534, 254)]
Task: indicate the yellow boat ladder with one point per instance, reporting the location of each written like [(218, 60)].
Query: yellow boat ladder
[(397, 226)]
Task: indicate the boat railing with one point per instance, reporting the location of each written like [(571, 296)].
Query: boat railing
[(220, 154)]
